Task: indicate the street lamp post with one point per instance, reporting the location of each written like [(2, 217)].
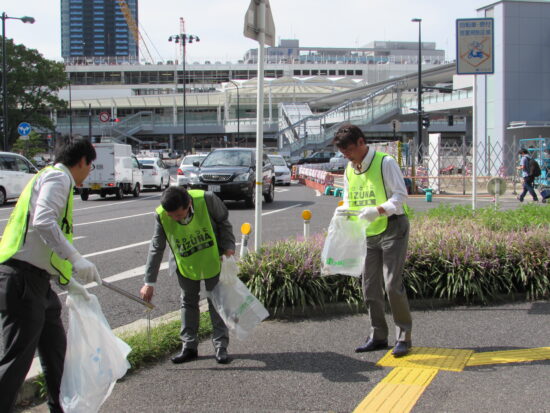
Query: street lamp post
[(419, 109), (184, 38), (24, 19), (238, 110)]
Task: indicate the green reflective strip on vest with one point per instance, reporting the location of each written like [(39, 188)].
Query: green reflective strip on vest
[(16, 229), (194, 244), (368, 189)]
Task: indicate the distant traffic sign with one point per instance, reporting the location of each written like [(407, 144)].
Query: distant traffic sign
[(104, 116), (24, 128), (475, 46)]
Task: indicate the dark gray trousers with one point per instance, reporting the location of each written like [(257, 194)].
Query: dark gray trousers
[(384, 265), (30, 312), (190, 314)]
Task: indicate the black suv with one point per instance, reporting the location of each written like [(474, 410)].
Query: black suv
[(231, 172), (317, 157)]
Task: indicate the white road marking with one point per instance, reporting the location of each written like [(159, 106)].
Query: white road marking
[(75, 238), (115, 203), (134, 272), (281, 210), (137, 244), (112, 219)]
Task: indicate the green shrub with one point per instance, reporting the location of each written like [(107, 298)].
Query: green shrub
[(454, 253), (286, 274)]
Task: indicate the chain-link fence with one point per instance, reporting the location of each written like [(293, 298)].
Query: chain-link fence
[(447, 167)]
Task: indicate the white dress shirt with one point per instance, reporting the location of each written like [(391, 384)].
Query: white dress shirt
[(48, 201), (393, 181)]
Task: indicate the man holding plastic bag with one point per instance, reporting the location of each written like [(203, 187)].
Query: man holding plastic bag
[(374, 191), (37, 245), (195, 224)]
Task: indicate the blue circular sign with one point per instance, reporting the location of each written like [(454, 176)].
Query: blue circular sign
[(24, 128)]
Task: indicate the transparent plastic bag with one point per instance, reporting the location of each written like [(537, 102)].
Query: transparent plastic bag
[(238, 308), (345, 247), (95, 357)]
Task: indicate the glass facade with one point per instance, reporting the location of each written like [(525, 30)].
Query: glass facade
[(96, 29)]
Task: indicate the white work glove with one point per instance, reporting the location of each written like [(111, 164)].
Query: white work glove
[(75, 288), (369, 213), (85, 270)]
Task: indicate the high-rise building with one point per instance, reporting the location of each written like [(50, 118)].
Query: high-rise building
[(97, 31)]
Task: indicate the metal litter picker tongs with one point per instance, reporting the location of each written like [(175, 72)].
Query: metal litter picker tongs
[(128, 295), (137, 299)]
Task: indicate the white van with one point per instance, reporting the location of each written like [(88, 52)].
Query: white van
[(116, 171), (15, 172)]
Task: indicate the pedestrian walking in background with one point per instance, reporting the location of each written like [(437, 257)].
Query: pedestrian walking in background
[(528, 179), (37, 245), (196, 225), (374, 186)]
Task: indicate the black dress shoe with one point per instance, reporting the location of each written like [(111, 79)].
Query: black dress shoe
[(187, 354), (401, 348), (372, 345), (221, 356)]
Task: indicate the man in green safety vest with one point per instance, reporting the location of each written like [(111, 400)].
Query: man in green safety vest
[(196, 226), (374, 187), (37, 245)]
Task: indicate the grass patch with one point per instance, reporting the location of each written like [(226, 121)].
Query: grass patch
[(165, 339)]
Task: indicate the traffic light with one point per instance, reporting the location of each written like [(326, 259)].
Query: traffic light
[(425, 122)]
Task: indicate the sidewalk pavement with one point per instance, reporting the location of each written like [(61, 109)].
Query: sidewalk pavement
[(309, 365)]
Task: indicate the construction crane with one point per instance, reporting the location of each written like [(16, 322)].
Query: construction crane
[(133, 28)]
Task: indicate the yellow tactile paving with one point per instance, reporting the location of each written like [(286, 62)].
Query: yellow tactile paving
[(398, 391), (509, 356), (429, 358)]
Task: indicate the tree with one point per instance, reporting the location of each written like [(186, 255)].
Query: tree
[(28, 148), (33, 83)]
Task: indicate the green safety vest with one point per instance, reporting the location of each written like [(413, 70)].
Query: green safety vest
[(194, 244), (368, 189), (18, 225)]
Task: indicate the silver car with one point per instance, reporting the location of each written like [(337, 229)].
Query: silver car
[(338, 162), (186, 169)]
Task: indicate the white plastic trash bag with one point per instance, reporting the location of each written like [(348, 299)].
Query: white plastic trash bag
[(238, 308), (345, 248), (95, 357)]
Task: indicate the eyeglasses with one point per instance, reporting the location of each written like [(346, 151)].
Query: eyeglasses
[(92, 167)]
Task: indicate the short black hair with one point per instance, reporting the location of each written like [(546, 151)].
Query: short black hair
[(70, 152), (175, 197), (348, 134), (524, 151)]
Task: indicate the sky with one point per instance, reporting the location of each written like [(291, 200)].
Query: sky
[(219, 24)]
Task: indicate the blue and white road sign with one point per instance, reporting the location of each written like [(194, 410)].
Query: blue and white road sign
[(24, 128)]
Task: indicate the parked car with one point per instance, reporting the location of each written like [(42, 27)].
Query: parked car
[(15, 172), (231, 174), (156, 174), (337, 162), (282, 171), (187, 168), (116, 172), (39, 161), (317, 157)]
